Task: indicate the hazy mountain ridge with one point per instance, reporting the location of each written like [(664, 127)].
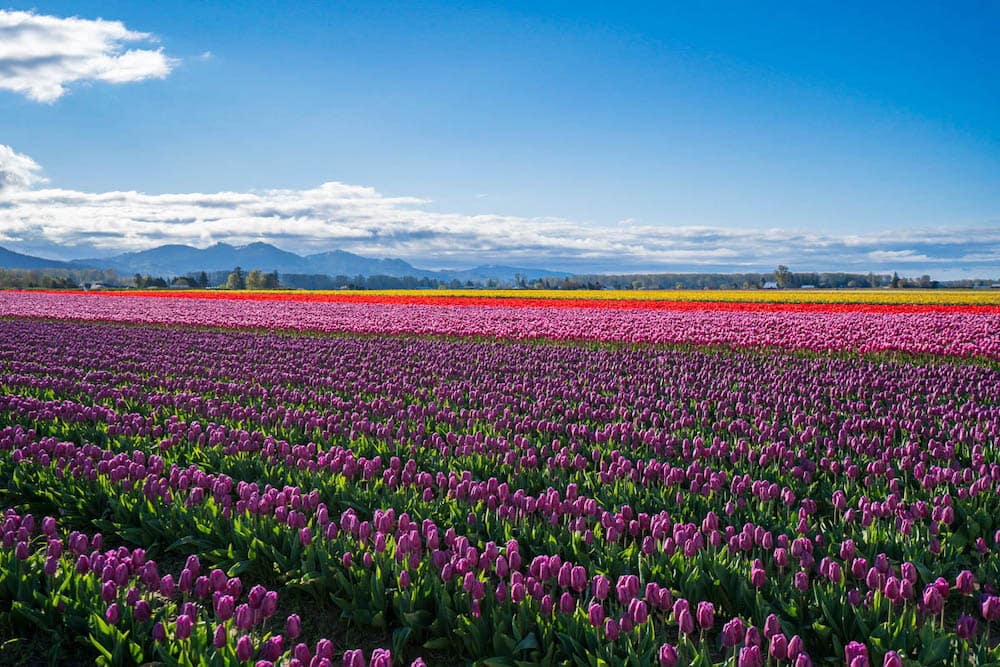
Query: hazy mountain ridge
[(15, 260), (177, 260)]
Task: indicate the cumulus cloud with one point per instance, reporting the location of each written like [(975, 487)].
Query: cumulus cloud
[(362, 220), (40, 55), (17, 172)]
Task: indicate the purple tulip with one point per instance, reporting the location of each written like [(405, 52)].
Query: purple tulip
[(380, 658), (611, 629), (772, 626), (933, 602), (113, 614), (354, 658), (779, 646), (269, 604), (221, 637), (733, 632), (856, 652), (224, 607), (244, 648), (685, 622), (991, 608), (293, 626), (750, 656), (271, 649), (706, 615), (601, 586), (595, 614), (668, 655), (966, 627), (142, 612), (324, 649), (965, 582), (243, 617), (167, 587), (256, 596), (182, 628), (892, 659)]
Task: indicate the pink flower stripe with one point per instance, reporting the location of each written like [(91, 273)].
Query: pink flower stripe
[(949, 333)]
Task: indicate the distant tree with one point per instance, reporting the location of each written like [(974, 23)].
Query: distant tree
[(271, 281), (236, 279), (255, 279), (203, 280), (138, 281), (783, 276), (895, 280)]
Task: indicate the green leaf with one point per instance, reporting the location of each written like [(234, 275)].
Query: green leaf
[(529, 643)]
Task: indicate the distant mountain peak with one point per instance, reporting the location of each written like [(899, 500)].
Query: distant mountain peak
[(176, 260)]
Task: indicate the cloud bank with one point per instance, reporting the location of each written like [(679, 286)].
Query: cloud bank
[(72, 224), (40, 55)]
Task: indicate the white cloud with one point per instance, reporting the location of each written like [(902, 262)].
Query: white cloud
[(899, 255), (363, 220), (40, 55), (17, 172)]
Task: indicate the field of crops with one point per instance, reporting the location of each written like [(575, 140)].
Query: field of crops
[(397, 479)]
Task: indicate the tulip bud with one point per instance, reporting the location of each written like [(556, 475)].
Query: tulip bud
[(933, 602), (856, 654), (221, 637), (966, 627), (706, 615), (601, 587), (733, 632), (142, 611), (965, 582), (991, 608), (685, 622), (750, 656), (779, 646), (244, 648), (380, 658), (167, 586), (293, 626), (270, 604), (354, 658), (113, 614), (772, 626), (668, 655), (596, 615)]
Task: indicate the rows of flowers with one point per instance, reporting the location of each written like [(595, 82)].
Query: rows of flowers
[(942, 330), (905, 298), (494, 501)]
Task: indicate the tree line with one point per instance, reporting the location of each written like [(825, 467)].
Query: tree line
[(238, 279)]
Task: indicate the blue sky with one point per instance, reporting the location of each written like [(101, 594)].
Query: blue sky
[(868, 135)]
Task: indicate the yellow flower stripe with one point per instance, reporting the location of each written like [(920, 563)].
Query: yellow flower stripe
[(984, 297)]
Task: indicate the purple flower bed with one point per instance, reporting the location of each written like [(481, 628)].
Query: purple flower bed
[(177, 494)]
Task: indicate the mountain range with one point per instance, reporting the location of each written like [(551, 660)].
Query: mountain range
[(15, 260), (178, 260)]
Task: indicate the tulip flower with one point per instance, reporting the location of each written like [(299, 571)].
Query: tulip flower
[(244, 648), (668, 655), (856, 654)]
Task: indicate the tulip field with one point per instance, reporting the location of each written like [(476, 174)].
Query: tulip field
[(312, 480)]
